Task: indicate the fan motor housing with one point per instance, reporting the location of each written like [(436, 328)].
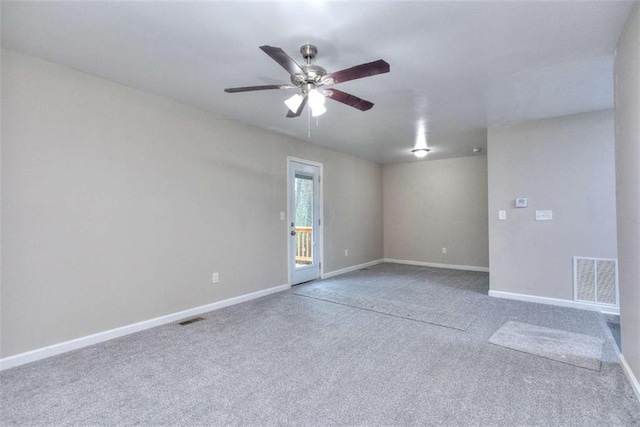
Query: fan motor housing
[(312, 74)]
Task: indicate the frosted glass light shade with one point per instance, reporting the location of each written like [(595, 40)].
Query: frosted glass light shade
[(316, 99), (318, 110), (294, 102)]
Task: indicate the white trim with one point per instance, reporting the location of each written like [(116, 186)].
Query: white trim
[(63, 347), (635, 385), (437, 265), (554, 301), (352, 268)]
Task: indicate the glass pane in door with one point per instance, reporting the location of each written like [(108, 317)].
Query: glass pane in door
[(304, 220)]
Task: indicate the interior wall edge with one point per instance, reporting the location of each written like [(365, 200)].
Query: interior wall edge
[(627, 149), (633, 381)]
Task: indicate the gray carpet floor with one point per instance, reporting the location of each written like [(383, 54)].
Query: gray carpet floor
[(613, 322), (580, 350), (288, 359)]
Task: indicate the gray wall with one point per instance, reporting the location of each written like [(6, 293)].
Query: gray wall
[(352, 210), (119, 205), (627, 128), (433, 204), (563, 164)]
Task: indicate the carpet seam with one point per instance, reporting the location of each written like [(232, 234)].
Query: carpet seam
[(385, 314)]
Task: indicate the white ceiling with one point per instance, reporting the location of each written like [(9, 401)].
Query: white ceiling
[(456, 67)]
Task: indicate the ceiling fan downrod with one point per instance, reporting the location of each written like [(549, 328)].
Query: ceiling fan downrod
[(312, 73)]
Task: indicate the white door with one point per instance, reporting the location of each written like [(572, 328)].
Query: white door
[(305, 222)]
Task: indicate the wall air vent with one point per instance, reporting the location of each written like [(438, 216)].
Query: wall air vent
[(595, 281)]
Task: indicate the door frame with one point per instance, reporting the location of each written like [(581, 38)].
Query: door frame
[(319, 245)]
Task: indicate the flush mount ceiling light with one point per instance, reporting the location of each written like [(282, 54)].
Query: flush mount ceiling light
[(420, 149), (420, 152)]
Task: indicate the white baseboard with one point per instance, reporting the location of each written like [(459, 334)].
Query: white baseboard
[(350, 269), (63, 347), (554, 301), (436, 265), (635, 385)]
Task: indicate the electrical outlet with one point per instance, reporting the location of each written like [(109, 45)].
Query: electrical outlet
[(444, 250), (281, 216), (502, 215), (346, 252), (215, 278)]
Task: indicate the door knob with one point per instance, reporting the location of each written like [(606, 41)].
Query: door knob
[(293, 232)]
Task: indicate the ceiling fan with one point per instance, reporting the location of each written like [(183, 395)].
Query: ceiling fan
[(311, 79)]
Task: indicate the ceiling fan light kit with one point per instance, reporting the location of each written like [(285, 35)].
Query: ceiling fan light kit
[(310, 78)]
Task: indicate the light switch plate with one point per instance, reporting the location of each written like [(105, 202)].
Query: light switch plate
[(544, 215), (521, 202), (502, 215)]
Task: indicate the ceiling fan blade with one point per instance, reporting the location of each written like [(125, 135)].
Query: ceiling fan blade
[(251, 88), (359, 71), (283, 59), (348, 99), (291, 114)]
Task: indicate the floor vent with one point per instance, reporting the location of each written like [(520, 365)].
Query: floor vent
[(595, 280), (187, 322)]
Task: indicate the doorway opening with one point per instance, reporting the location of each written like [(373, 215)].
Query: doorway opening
[(304, 199)]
